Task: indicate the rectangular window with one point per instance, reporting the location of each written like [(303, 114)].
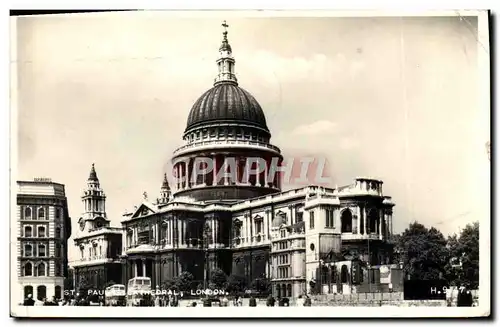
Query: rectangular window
[(299, 217), (28, 250), (258, 226), (41, 250), (311, 220), (330, 222)]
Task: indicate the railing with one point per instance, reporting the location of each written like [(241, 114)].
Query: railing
[(203, 144), (93, 258)]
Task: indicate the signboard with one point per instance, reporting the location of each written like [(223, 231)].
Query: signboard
[(42, 180)]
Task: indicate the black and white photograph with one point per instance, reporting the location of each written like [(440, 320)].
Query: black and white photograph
[(267, 163)]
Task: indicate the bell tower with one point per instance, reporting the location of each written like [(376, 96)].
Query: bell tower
[(165, 193), (94, 202)]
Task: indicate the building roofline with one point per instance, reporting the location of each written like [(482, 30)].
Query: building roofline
[(39, 182)]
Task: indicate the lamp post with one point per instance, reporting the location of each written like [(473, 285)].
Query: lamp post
[(206, 232), (369, 265)]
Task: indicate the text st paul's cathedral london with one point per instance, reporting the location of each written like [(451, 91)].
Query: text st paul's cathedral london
[(245, 225)]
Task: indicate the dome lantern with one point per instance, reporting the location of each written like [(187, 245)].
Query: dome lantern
[(226, 103), (225, 63)]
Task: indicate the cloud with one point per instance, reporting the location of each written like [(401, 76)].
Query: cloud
[(319, 127)]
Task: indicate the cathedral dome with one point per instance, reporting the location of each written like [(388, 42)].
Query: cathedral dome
[(226, 102)]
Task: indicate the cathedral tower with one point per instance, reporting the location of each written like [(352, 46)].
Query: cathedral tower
[(165, 192), (94, 202)]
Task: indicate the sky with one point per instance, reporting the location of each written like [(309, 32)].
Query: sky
[(387, 97)]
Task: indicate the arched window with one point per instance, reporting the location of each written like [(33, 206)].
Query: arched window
[(278, 290), (58, 232), (28, 269), (41, 250), (237, 230), (41, 292), (41, 213), (41, 231), (289, 290), (28, 231), (344, 274), (346, 221), (373, 220), (28, 250), (40, 269), (27, 215), (28, 290), (57, 292)]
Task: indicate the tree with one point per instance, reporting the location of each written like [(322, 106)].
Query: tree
[(183, 282), (423, 252), (218, 279), (169, 285), (236, 284), (262, 286), (84, 284), (463, 263)]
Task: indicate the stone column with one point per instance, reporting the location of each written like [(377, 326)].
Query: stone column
[(212, 227), (183, 174), (238, 170), (135, 268), (266, 225), (249, 232), (214, 172), (176, 168), (216, 231), (266, 171), (181, 236), (257, 175), (365, 220), (170, 231), (144, 268), (380, 217), (389, 218)]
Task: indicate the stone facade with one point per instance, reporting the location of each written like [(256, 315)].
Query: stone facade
[(251, 238), (43, 229), (227, 214), (99, 245)]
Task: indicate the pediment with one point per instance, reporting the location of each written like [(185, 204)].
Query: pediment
[(258, 217), (143, 210), (281, 213)]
